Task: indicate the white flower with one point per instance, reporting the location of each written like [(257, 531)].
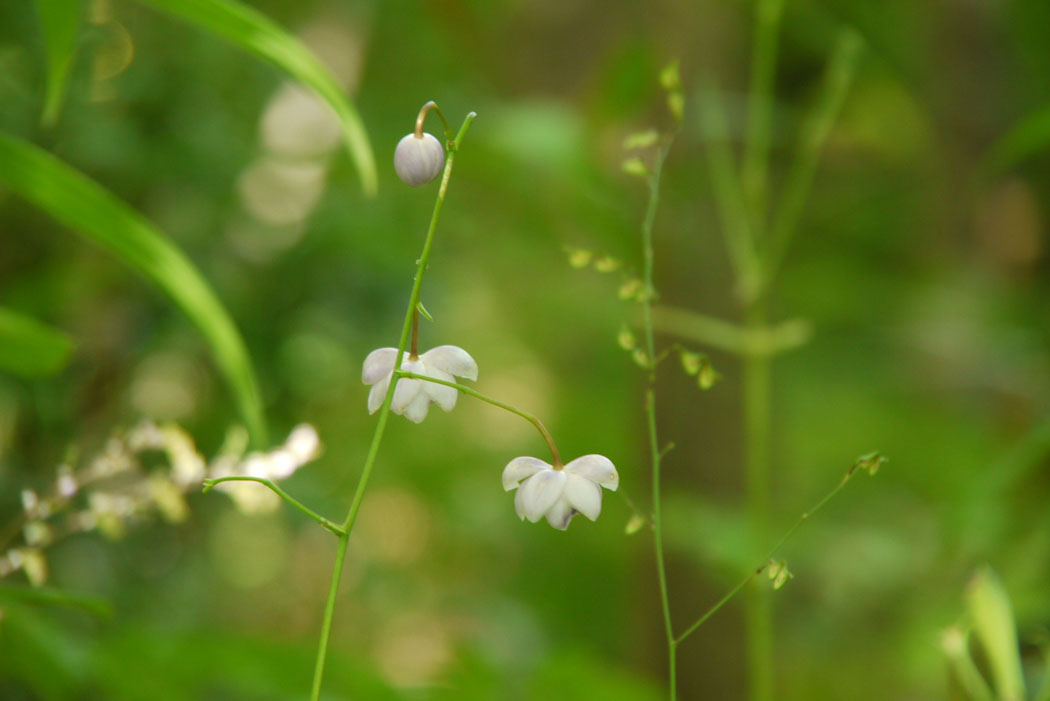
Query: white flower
[(412, 397), (559, 493)]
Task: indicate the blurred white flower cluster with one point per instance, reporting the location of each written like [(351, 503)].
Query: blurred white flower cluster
[(138, 476)]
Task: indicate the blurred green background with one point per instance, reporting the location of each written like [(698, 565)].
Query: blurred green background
[(921, 262)]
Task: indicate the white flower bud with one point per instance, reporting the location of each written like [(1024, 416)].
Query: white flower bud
[(418, 160)]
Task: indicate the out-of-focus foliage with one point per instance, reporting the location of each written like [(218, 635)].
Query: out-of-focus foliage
[(918, 275)]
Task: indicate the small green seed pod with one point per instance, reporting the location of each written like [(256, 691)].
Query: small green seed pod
[(418, 160)]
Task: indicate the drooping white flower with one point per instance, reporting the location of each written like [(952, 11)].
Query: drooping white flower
[(559, 493), (412, 398), (418, 160)]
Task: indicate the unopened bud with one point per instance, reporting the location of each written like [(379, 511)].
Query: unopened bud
[(418, 160)]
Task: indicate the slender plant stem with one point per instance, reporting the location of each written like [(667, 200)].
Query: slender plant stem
[(837, 79), (384, 412), (732, 338), (531, 418), (736, 227), (209, 484), (754, 171), (655, 454), (759, 610), (329, 614), (776, 548)]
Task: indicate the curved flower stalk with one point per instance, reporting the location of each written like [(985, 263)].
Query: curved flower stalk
[(557, 492), (302, 446), (412, 398)]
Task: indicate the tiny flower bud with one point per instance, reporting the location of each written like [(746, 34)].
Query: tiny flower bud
[(626, 339), (871, 462), (35, 565), (579, 257), (635, 166), (779, 573), (640, 358), (642, 139), (708, 376), (634, 524), (606, 264), (631, 289), (691, 361), (418, 160)]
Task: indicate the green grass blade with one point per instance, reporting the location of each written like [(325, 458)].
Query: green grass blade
[(60, 23), (49, 596), (992, 616), (256, 33), (1029, 137), (31, 349), (82, 205)]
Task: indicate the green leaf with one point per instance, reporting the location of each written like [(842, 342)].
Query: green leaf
[(1029, 137), (60, 23), (258, 34), (29, 348), (85, 207), (993, 621), (50, 596)]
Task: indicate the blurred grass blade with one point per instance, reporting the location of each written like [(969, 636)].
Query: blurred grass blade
[(29, 348), (49, 596), (59, 23), (84, 206), (993, 620), (732, 210), (955, 643), (254, 32), (1027, 138), (815, 131)]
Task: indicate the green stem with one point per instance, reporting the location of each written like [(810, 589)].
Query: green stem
[(755, 168), (209, 484), (769, 556), (655, 455), (837, 79), (531, 418), (759, 613), (732, 209), (384, 413), (724, 335), (329, 613)]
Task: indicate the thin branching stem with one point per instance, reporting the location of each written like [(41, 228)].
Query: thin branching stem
[(837, 79), (655, 454), (384, 412), (209, 484), (772, 552), (754, 171)]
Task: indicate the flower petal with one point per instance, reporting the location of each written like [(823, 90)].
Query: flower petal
[(378, 363), (416, 411), (560, 514), (519, 469), (378, 394), (442, 395), (540, 492), (519, 504), (597, 468), (453, 360), (583, 495), (406, 392)]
